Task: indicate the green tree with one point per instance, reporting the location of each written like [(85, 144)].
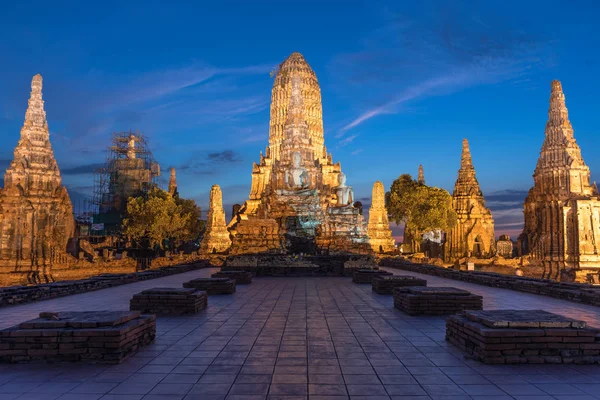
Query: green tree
[(420, 207), (159, 220)]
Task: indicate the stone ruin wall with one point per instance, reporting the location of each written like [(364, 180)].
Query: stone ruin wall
[(83, 269)]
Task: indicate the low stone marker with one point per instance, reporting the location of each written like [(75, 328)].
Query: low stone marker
[(523, 336), (88, 336), (367, 275), (421, 300), (212, 285), (240, 277), (385, 284), (177, 301)]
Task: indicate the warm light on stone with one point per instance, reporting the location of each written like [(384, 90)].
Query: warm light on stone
[(216, 238), (299, 201), (173, 183), (473, 234), (380, 234), (36, 215), (562, 210)]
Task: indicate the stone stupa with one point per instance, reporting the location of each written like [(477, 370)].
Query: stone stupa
[(380, 234), (562, 209), (473, 234), (173, 183), (216, 238), (299, 201), (36, 215)]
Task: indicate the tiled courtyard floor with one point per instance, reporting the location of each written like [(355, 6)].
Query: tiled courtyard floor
[(294, 338)]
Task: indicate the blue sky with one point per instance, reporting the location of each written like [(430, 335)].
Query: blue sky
[(402, 84)]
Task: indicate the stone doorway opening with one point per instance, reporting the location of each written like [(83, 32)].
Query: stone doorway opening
[(478, 247)]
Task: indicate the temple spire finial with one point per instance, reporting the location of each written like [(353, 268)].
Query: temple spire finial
[(35, 114), (466, 159), (173, 182), (421, 178)]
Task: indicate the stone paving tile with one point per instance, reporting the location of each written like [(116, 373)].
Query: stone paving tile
[(298, 338)]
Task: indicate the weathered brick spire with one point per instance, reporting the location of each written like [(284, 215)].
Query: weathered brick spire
[(421, 178), (467, 181), (560, 159), (473, 234), (173, 182), (296, 67), (35, 114), (34, 167), (216, 238), (561, 229), (380, 234), (36, 218)]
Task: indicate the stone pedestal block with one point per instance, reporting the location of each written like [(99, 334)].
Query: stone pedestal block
[(169, 301), (89, 336), (240, 277), (367, 275), (212, 285), (385, 284), (435, 300), (523, 336)]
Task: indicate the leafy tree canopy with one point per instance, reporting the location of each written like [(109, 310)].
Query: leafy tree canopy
[(159, 219), (422, 208)]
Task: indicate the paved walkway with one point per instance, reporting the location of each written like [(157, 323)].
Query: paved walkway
[(293, 338)]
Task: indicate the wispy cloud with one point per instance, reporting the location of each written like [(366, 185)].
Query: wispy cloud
[(210, 163), (347, 140), (507, 210), (357, 151), (427, 53)]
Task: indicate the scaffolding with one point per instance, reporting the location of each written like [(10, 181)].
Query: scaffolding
[(129, 170)]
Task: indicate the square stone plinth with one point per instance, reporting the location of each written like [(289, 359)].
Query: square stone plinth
[(385, 284), (92, 336), (421, 300), (523, 336), (367, 275), (212, 285), (240, 277), (177, 301)]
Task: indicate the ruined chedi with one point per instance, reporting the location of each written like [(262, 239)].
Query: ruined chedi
[(473, 234), (173, 183), (562, 210), (299, 201), (216, 238), (380, 234), (36, 215), (421, 176)]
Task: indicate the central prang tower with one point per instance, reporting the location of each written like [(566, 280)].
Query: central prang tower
[(299, 201)]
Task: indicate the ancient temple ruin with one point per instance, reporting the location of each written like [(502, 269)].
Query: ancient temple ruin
[(473, 235), (562, 210), (36, 215), (299, 201), (130, 171), (216, 238), (380, 234), (173, 183), (504, 246), (421, 176)]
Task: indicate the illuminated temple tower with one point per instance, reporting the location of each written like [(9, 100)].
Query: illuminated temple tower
[(36, 216), (473, 234), (562, 210), (299, 201), (380, 234)]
